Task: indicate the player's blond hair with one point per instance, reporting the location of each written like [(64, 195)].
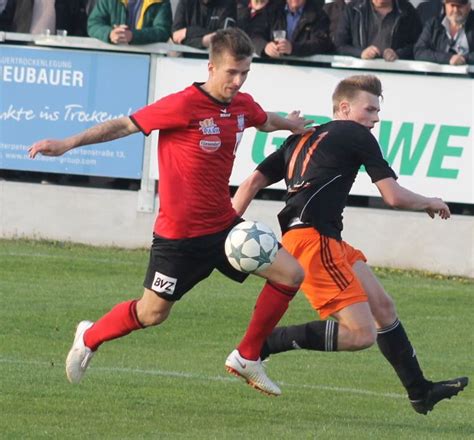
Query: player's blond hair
[(349, 87), (232, 40)]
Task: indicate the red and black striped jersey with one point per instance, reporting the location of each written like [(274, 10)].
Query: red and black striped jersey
[(319, 169)]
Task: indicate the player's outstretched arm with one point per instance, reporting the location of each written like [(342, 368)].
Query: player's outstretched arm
[(397, 196), (247, 190), (293, 122), (107, 131)]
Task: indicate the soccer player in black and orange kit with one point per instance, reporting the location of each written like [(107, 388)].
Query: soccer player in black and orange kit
[(200, 130), (319, 169)]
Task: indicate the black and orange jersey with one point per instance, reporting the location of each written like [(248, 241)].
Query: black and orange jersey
[(319, 169)]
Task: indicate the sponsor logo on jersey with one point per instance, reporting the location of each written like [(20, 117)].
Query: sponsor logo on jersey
[(163, 283), (241, 122), (208, 126), (224, 113), (210, 144)]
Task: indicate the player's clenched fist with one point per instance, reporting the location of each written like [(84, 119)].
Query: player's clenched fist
[(48, 147)]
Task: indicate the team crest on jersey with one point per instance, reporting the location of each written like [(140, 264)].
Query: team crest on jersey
[(241, 122), (208, 126), (209, 144)]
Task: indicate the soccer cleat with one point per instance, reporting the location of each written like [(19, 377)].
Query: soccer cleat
[(253, 372), (79, 356), (439, 391)]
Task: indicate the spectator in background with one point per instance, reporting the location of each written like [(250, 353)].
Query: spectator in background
[(134, 22), (35, 16), (385, 29), (71, 15), (334, 10), (254, 17), (196, 21), (448, 39), (430, 9), (299, 28), (7, 10)]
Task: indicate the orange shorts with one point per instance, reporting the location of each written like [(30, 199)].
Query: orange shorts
[(330, 283)]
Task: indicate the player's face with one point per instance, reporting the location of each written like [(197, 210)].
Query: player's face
[(227, 75), (364, 109)]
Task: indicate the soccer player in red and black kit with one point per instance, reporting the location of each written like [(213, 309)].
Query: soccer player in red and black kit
[(200, 130), (319, 169)]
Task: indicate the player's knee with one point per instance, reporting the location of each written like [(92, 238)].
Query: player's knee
[(151, 317), (297, 276), (294, 278)]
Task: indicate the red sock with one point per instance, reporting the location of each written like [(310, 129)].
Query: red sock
[(271, 305), (120, 321)]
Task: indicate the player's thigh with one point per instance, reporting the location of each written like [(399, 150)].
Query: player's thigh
[(330, 284), (381, 304), (284, 270), (176, 266)]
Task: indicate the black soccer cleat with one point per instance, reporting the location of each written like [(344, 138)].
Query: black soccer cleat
[(439, 391)]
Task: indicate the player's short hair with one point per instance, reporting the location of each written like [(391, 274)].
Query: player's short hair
[(232, 40), (349, 87)]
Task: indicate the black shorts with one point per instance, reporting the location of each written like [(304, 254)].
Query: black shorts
[(177, 265)]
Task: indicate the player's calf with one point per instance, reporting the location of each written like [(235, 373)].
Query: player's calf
[(356, 339)]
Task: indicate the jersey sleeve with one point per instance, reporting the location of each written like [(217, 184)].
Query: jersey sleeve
[(167, 113), (256, 116), (372, 158), (273, 166)]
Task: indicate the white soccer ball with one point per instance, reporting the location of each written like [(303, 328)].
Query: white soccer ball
[(251, 246)]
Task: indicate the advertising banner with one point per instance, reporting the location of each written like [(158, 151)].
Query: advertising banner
[(425, 128), (46, 93)]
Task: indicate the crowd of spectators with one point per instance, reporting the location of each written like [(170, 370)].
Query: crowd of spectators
[(440, 31)]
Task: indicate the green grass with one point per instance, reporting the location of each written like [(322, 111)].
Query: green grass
[(169, 382)]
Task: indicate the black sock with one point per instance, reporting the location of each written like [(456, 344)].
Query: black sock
[(314, 335), (394, 344)]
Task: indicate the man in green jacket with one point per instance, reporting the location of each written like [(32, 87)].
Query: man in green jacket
[(130, 21)]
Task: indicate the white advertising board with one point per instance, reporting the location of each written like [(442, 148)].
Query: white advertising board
[(424, 130)]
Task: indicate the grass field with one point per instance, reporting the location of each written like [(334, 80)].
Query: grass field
[(170, 383)]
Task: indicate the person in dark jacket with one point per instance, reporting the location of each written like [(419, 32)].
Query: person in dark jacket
[(130, 22), (335, 10), (71, 15), (255, 17), (448, 39), (248, 11), (385, 29), (430, 9), (7, 9), (68, 15), (196, 21), (299, 28)]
